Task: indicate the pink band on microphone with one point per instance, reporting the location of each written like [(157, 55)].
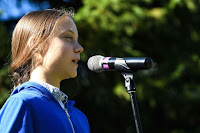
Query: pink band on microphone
[(105, 66)]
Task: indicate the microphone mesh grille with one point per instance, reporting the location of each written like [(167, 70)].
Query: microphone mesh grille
[(94, 63)]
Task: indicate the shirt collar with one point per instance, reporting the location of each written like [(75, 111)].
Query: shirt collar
[(59, 95)]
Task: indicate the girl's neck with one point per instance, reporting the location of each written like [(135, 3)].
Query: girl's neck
[(39, 74)]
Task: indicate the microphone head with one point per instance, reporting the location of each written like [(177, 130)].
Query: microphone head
[(94, 63)]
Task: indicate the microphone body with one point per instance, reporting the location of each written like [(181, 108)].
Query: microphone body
[(100, 63)]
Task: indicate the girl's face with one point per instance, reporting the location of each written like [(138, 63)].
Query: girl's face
[(60, 61)]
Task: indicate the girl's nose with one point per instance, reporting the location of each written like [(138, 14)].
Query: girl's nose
[(78, 48)]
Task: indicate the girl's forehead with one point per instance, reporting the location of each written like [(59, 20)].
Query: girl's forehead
[(65, 23)]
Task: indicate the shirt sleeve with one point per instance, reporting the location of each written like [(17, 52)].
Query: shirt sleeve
[(15, 117)]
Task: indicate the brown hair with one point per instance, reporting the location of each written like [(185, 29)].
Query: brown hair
[(29, 37)]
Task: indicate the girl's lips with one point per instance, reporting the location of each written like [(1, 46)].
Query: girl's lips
[(75, 61)]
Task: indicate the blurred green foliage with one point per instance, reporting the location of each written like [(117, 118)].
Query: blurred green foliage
[(168, 95), (4, 59)]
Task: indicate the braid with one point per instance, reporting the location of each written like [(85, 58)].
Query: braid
[(21, 74)]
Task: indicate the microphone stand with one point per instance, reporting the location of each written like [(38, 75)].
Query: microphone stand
[(131, 89)]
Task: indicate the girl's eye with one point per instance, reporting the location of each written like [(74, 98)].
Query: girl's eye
[(69, 37)]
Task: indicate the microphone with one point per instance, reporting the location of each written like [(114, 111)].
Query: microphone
[(100, 63)]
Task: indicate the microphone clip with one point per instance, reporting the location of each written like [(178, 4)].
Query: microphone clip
[(129, 82)]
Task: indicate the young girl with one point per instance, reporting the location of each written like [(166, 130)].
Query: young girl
[(45, 50)]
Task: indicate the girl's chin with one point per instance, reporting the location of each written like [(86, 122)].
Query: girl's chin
[(71, 75)]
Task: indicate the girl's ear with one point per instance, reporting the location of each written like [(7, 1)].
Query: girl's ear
[(31, 42), (36, 46), (36, 51)]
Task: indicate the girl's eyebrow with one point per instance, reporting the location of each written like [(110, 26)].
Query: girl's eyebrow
[(70, 32), (66, 31)]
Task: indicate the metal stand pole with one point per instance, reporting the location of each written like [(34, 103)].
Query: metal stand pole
[(131, 89)]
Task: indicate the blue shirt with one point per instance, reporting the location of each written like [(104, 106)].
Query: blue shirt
[(32, 108)]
